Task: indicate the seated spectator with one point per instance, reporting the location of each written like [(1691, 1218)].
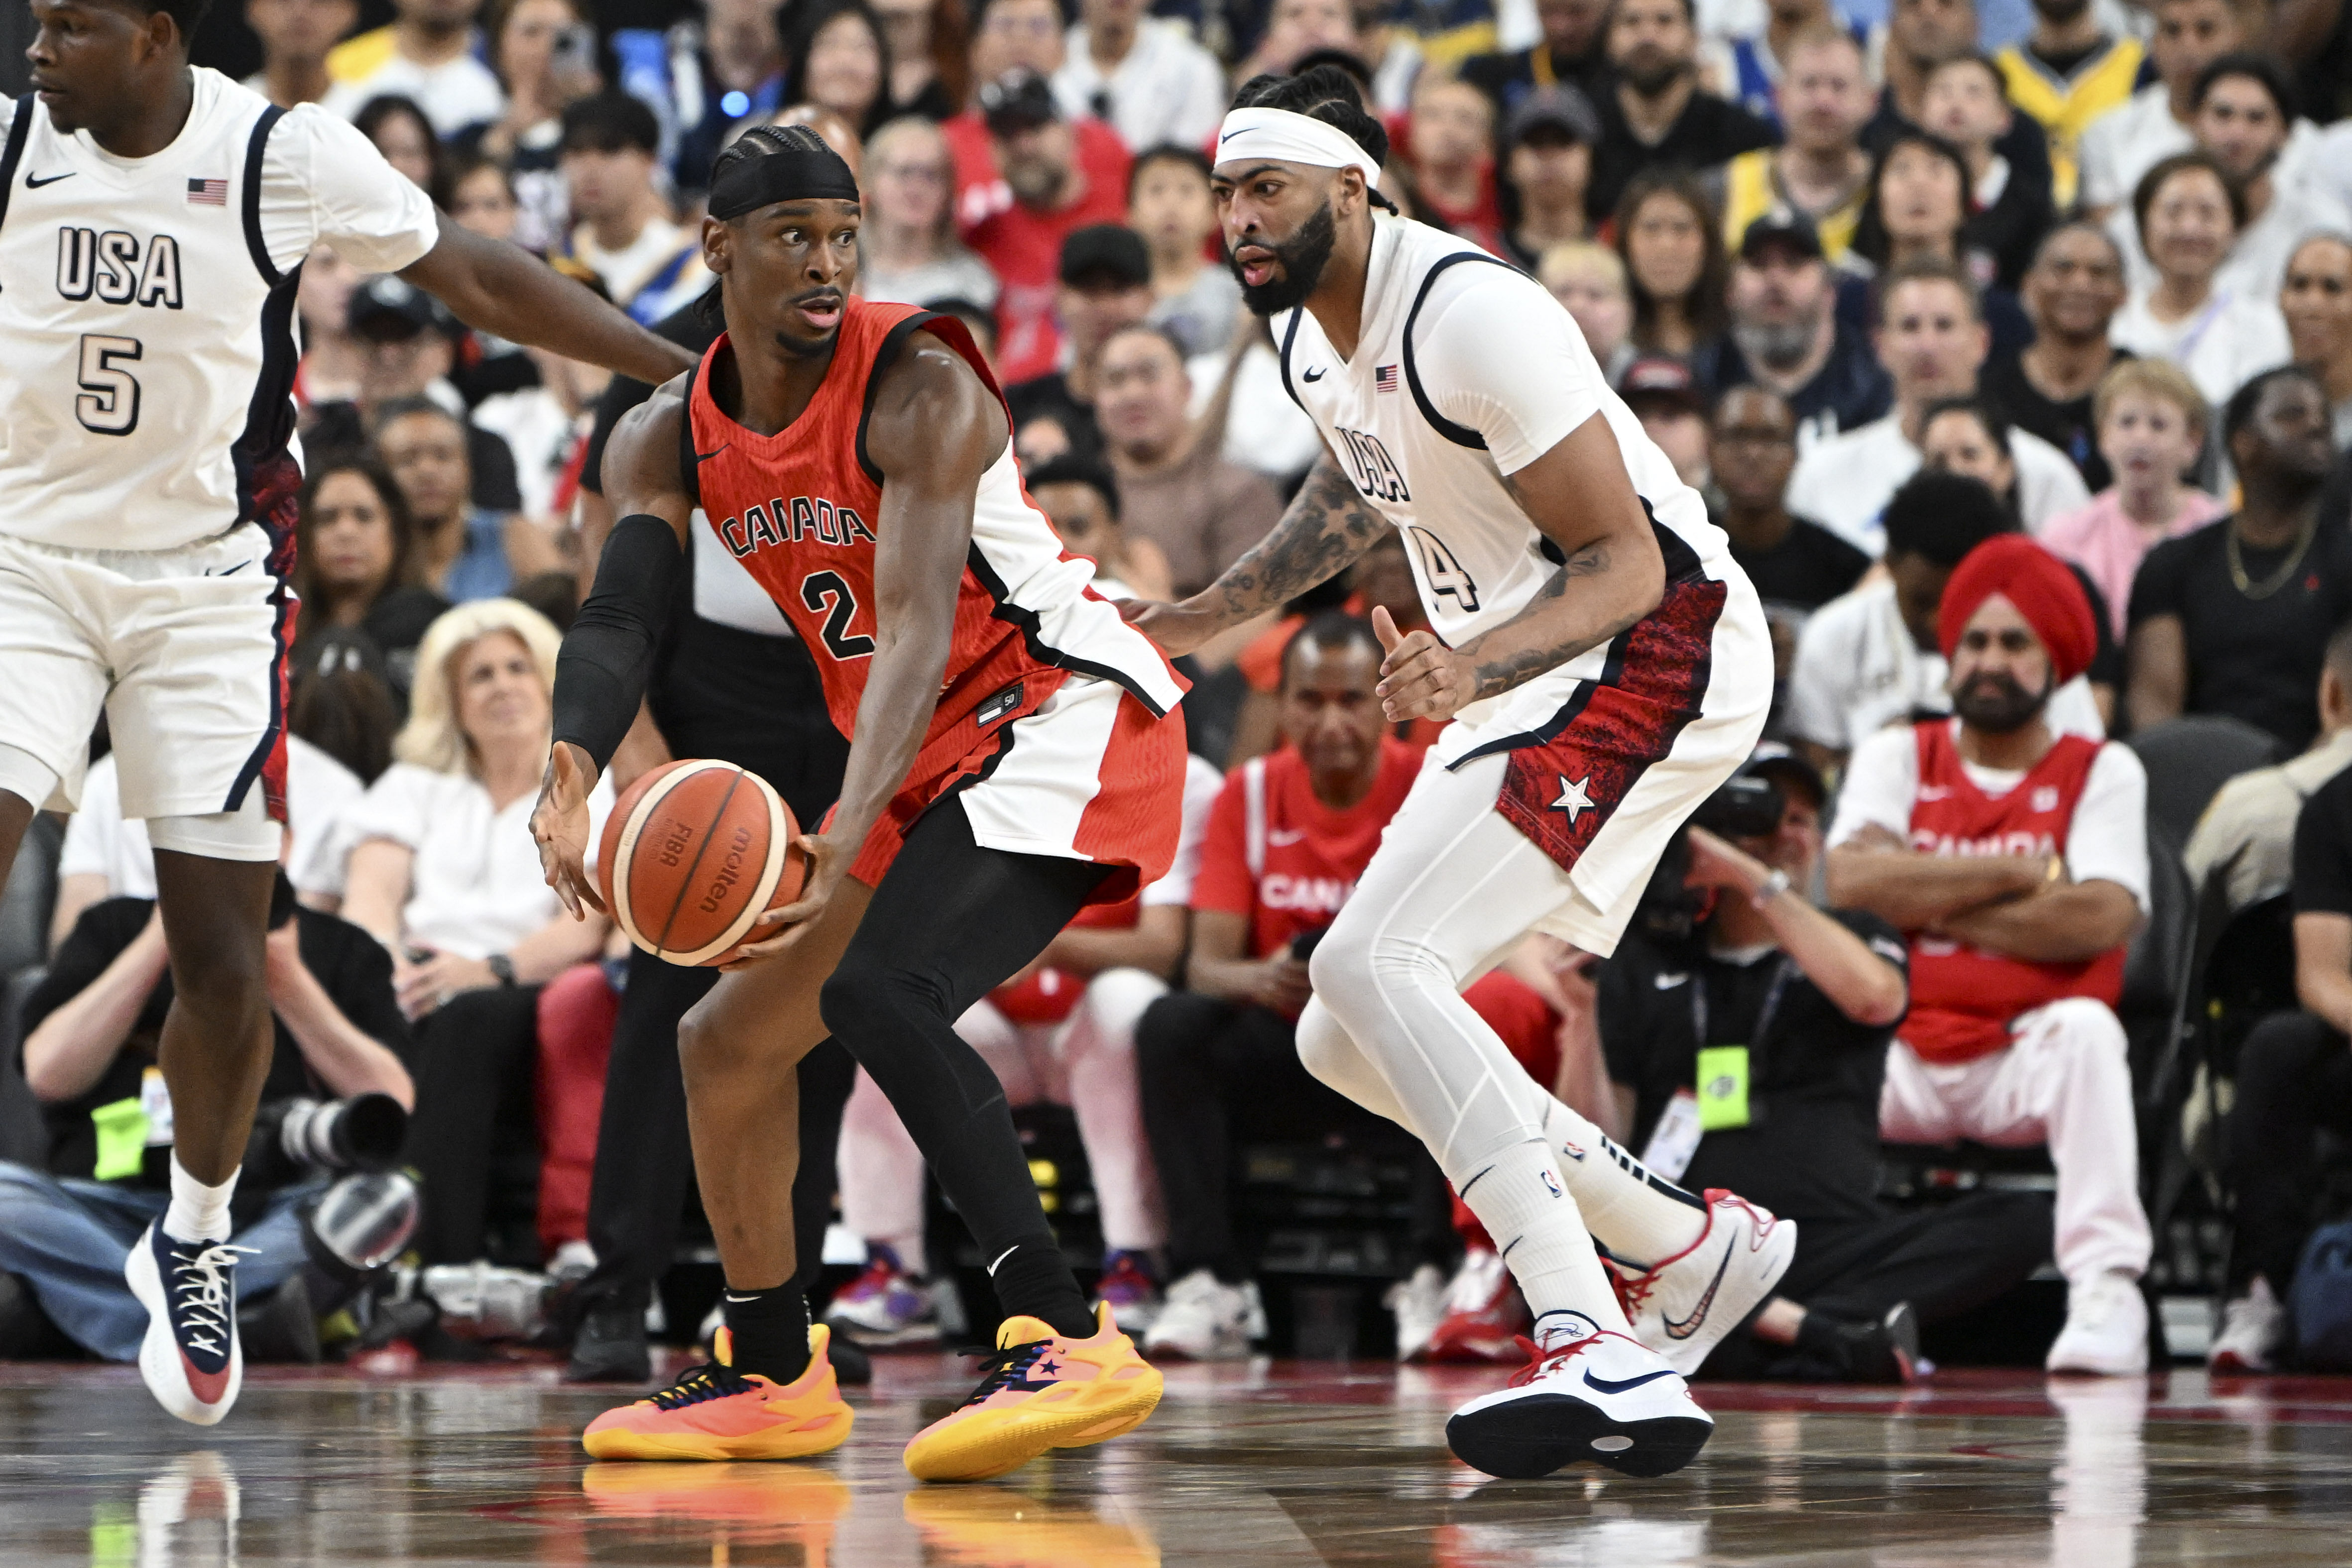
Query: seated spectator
[(1745, 53), (2248, 830), (1796, 564), (1296, 29), (343, 705), (1588, 281), (1022, 34), (1289, 836), (1930, 335), (1142, 76), (1081, 500), (545, 424), (1667, 233), (1167, 203), (907, 252), (2187, 212), (357, 563), (2066, 74), (1785, 334), (1061, 1031), (2295, 1077), (1916, 209), (463, 551), (1967, 106), (2014, 859), (2234, 617), (1663, 397), (835, 61), (545, 54), (1055, 191), (1800, 1005), (1449, 147), (1820, 172), (429, 53), (1239, 393), (925, 41), (1174, 488), (2316, 301), (443, 871), (621, 221), (406, 138), (333, 359), (1655, 117), (93, 1028), (2072, 293), (1918, 36), (482, 197), (713, 94), (1871, 658), (2121, 145), (1547, 165), (2152, 424), (1106, 286), (295, 36), (1573, 50)]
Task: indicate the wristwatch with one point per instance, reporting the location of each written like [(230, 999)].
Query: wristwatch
[(503, 966)]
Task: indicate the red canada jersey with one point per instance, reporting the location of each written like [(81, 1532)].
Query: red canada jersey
[(1279, 855), (802, 510), (1962, 997)]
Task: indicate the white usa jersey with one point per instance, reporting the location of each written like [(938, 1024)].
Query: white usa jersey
[(147, 311), (1467, 369)]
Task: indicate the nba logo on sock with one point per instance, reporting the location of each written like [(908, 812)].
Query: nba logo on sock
[(1552, 1182)]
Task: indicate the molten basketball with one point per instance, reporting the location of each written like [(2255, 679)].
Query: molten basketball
[(693, 855)]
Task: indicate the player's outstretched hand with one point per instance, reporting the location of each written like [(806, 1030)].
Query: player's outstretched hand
[(781, 925), (559, 823), (1421, 677), (1177, 630)]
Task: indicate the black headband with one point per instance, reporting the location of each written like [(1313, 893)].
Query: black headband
[(787, 175)]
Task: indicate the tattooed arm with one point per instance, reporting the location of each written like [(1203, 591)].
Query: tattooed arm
[(1579, 497), (1326, 526)]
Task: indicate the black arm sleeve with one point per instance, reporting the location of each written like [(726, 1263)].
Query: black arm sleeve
[(601, 675)]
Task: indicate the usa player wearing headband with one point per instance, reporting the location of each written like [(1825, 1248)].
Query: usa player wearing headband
[(1014, 755), (153, 222), (1605, 666)]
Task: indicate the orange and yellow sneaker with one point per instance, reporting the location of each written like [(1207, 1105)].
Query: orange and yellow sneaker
[(1041, 1391), (713, 1412)]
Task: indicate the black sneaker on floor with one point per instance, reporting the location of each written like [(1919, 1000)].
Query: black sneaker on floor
[(281, 1326), (1832, 1351), (851, 1364), (611, 1345), (26, 1332)]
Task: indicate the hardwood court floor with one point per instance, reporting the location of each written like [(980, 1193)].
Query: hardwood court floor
[(1297, 1463)]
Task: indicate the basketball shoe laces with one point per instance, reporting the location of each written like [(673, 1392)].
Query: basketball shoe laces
[(1006, 1368), (707, 1380), (199, 1295), (1541, 1361)]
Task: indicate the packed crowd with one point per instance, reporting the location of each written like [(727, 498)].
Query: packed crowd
[(2011, 346)]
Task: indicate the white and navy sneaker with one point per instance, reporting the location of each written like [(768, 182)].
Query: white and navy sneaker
[(1682, 1307), (1586, 1393), (190, 1358)]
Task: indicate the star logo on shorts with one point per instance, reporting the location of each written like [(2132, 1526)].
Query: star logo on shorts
[(1573, 797)]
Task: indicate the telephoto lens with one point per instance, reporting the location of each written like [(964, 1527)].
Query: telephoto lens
[(294, 1137)]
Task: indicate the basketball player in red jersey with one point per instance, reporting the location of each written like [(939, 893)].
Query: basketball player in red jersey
[(1013, 759)]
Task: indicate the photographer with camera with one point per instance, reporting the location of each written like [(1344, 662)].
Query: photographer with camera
[(1746, 1033), (335, 1099)]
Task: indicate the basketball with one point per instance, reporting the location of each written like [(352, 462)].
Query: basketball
[(693, 854)]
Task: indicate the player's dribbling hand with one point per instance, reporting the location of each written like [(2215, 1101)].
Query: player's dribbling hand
[(781, 925), (559, 823), (1177, 630), (1421, 677)]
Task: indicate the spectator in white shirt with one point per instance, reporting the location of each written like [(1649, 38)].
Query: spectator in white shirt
[(2126, 143), (2188, 212), (907, 252), (1143, 76), (427, 54), (1931, 337), (2318, 304), (622, 230)]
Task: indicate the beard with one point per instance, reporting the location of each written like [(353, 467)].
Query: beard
[(1999, 705), (1776, 345), (1303, 257), (2060, 10), (1650, 72)]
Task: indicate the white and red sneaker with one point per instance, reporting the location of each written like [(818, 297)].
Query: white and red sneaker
[(1586, 1393), (1485, 1313), (885, 1308), (190, 1358), (1128, 1289), (1682, 1306)]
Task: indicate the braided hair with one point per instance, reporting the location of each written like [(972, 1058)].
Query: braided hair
[(758, 141)]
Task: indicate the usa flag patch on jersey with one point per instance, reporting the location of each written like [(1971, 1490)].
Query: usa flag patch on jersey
[(208, 193), (1385, 378)]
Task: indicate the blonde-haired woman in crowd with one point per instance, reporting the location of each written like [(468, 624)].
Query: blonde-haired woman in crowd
[(443, 871), (907, 252), (2151, 423)]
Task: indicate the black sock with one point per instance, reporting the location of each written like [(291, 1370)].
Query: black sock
[(770, 1331), (1032, 1279)]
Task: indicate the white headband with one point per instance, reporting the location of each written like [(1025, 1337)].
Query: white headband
[(1285, 137)]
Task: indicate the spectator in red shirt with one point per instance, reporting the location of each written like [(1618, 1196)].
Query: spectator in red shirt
[(1450, 145), (1053, 190)]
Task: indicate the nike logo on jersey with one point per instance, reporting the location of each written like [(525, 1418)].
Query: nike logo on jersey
[(35, 182), (1314, 375), (1625, 1385), (706, 456)]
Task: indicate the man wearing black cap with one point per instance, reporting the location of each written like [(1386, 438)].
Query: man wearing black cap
[(1054, 195), (1547, 143), (1785, 334), (1106, 284)]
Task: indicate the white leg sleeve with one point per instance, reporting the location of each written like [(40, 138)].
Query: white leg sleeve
[(881, 1174), (1098, 1050)]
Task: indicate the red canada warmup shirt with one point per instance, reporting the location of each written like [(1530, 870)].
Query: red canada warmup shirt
[(1280, 856)]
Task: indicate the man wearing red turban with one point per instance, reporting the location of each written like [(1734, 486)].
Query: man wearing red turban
[(2014, 859)]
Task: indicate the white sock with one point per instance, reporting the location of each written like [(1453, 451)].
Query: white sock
[(198, 1213), (1638, 1215), (1541, 1236)]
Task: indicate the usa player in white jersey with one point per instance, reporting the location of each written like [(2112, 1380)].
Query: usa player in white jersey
[(154, 219), (1606, 666)]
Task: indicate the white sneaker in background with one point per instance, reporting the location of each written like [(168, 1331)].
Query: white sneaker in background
[(1204, 1318), (1589, 1394), (2107, 1328), (2253, 1330), (1419, 1303)]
